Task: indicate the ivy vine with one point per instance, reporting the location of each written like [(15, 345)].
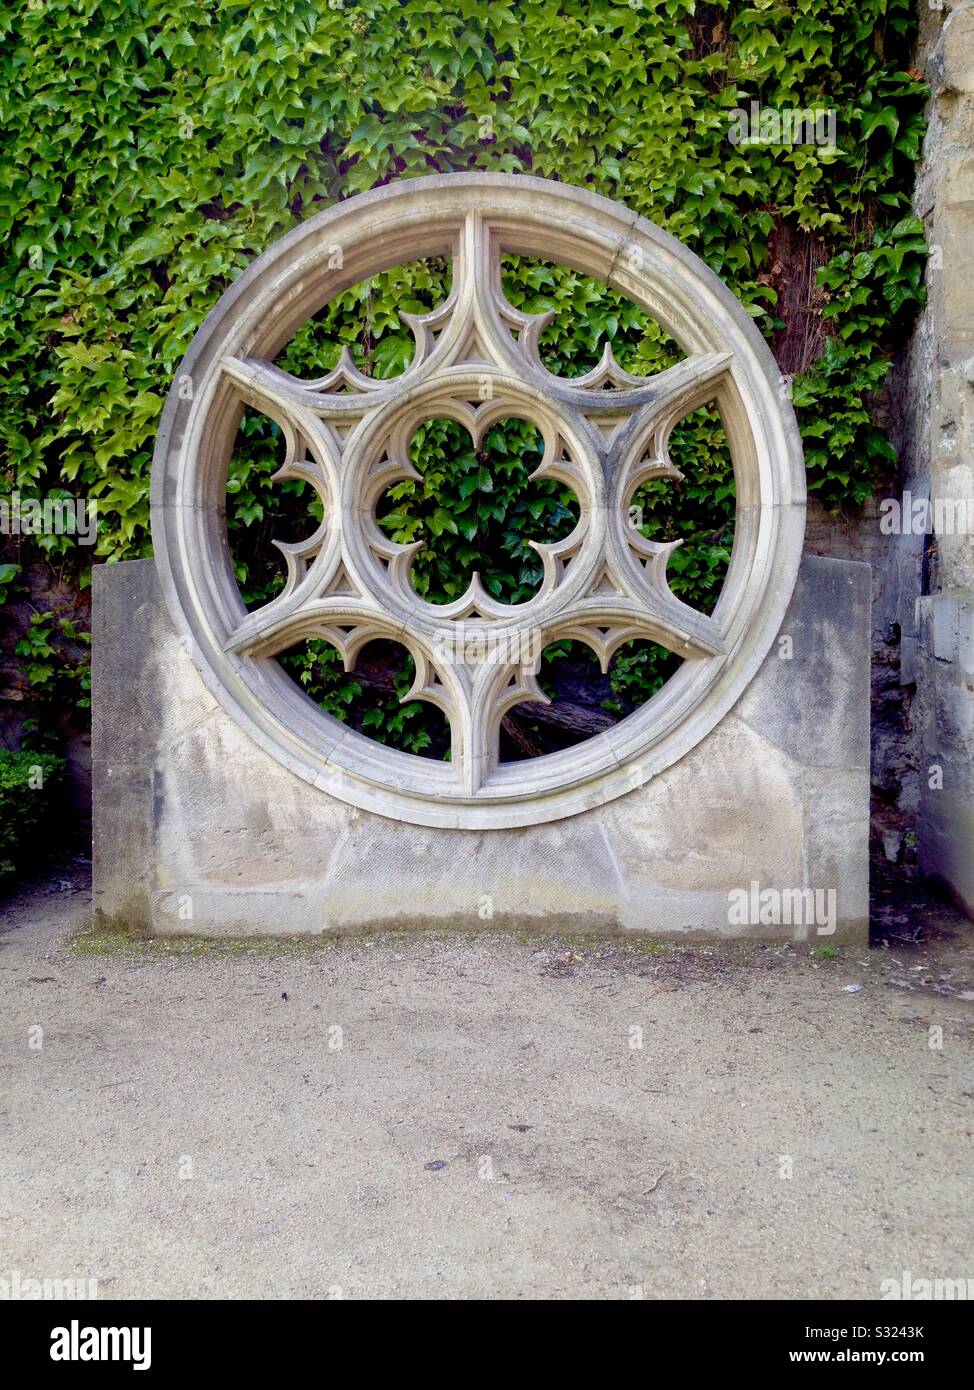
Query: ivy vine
[(152, 150)]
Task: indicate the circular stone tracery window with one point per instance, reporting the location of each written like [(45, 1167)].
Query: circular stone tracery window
[(476, 362)]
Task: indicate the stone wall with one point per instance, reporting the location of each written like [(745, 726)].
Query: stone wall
[(944, 377), (198, 830), (923, 580)]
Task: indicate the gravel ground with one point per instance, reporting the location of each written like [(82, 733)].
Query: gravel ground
[(457, 1117)]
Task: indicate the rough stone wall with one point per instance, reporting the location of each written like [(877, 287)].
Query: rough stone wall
[(945, 371), (896, 568), (923, 582)]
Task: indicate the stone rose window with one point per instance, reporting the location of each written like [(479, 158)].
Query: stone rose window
[(476, 363)]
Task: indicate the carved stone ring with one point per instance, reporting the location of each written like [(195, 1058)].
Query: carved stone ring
[(476, 362)]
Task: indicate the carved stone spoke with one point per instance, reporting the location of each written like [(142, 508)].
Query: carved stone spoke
[(477, 361)]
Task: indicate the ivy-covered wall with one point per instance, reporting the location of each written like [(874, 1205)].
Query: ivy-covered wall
[(152, 149)]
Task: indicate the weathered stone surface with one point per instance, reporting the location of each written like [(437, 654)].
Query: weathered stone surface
[(816, 650), (836, 815), (947, 707), (944, 658), (200, 831), (126, 727)]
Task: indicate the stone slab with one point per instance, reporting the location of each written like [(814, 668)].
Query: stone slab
[(199, 831)]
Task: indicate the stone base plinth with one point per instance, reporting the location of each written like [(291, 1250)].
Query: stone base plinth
[(199, 831)]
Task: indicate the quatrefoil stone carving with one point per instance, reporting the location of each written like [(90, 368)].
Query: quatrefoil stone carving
[(476, 361)]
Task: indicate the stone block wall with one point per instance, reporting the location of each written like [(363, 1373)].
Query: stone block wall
[(199, 831), (944, 375)]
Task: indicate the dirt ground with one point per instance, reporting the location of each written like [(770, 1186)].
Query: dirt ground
[(460, 1117)]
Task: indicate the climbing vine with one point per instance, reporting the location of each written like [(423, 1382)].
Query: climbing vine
[(151, 150)]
